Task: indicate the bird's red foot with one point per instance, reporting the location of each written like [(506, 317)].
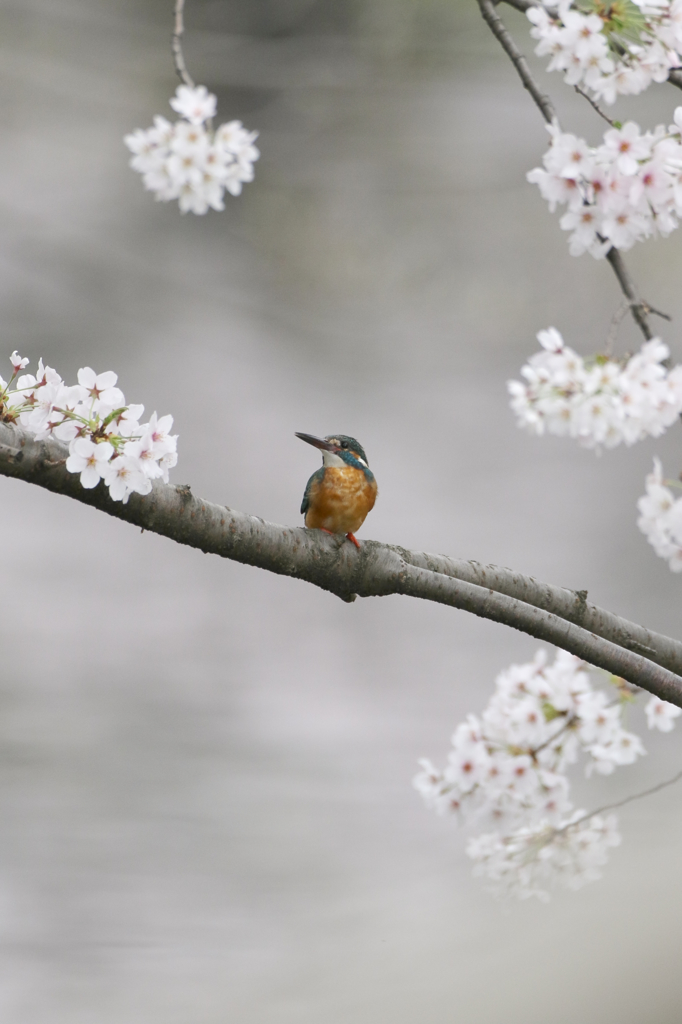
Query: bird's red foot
[(351, 537), (324, 530)]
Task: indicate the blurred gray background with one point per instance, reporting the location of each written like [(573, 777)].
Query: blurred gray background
[(205, 771)]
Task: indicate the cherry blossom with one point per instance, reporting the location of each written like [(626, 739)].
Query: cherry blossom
[(195, 104), (507, 768), (661, 715), (614, 49), (534, 860), (660, 518), (601, 402), (125, 475), (17, 362), (189, 162), (89, 459), (106, 440), (622, 192)]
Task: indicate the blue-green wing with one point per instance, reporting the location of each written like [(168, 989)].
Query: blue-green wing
[(315, 478)]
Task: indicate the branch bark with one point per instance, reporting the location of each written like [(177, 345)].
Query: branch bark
[(558, 616), (502, 34), (176, 45), (638, 308)]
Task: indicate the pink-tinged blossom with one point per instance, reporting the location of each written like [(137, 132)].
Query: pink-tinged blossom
[(17, 362), (159, 428), (105, 437), (155, 449), (128, 419), (661, 715), (534, 860), (622, 192), (167, 462), (627, 147), (99, 386), (507, 768), (592, 53), (660, 518), (195, 103), (189, 162), (601, 402), (89, 459), (125, 476)]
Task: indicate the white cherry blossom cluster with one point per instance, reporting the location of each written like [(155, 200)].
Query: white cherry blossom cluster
[(660, 518), (611, 49), (622, 192), (105, 437), (600, 402), (508, 768), (187, 160), (534, 860)]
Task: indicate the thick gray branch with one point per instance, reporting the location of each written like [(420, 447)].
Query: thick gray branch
[(567, 604), (548, 613)]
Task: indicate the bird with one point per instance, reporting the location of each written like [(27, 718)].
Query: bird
[(340, 494)]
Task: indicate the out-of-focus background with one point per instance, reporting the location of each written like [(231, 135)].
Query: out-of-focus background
[(206, 811)]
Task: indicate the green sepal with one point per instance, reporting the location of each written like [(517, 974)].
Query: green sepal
[(113, 415), (550, 712)]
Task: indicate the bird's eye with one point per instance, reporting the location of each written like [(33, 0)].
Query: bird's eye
[(344, 444)]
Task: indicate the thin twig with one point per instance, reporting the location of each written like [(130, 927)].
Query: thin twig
[(657, 312), (176, 46), (595, 105), (638, 308), (500, 30), (622, 803), (572, 719), (568, 723), (616, 321)]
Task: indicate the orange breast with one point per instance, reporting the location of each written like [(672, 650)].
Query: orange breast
[(340, 501)]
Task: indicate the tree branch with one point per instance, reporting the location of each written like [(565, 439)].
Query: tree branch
[(521, 5), (567, 604), (176, 45), (501, 32), (375, 570), (622, 803), (595, 106), (638, 308)]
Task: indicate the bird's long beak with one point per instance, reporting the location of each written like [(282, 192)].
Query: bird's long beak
[(318, 442)]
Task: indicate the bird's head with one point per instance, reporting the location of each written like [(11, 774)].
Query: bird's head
[(337, 449)]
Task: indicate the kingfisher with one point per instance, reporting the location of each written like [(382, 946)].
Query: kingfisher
[(340, 494)]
